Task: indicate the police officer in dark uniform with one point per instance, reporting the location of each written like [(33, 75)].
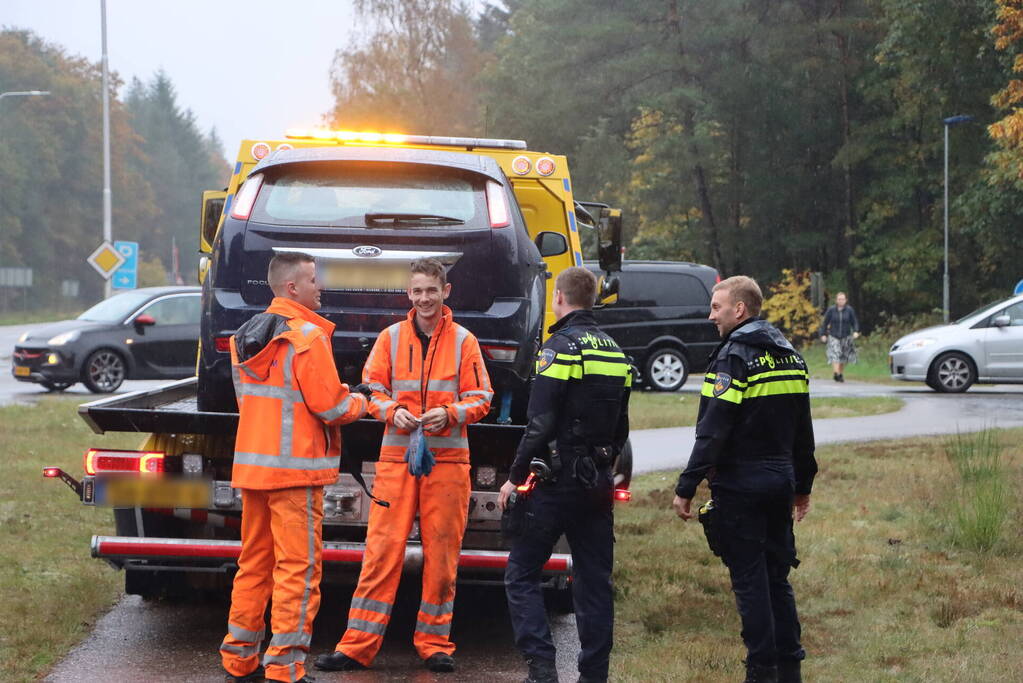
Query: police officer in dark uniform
[(578, 423), (754, 443)]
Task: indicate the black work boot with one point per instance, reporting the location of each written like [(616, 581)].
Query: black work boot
[(253, 677), (440, 662), (758, 673), (788, 671), (337, 661), (541, 671)]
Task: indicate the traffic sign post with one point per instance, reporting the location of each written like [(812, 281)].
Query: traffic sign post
[(126, 276), (106, 259)]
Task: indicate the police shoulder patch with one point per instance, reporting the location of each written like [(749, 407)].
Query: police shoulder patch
[(721, 383), (545, 360)]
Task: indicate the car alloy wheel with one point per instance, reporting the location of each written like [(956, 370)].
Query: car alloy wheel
[(104, 371), (953, 373), (666, 370)]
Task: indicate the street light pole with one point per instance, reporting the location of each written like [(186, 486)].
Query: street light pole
[(949, 122), (107, 229), (23, 93)]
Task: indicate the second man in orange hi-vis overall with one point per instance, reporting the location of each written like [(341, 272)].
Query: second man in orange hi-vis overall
[(425, 370), (291, 405)]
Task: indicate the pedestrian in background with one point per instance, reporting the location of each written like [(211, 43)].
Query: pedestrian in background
[(754, 443), (291, 405), (578, 422), (839, 329)]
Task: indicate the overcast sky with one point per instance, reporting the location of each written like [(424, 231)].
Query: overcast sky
[(251, 68)]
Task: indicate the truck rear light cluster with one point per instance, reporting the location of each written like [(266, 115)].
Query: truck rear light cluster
[(497, 203), (500, 352), (623, 495), (222, 344), (123, 462), (521, 165), (246, 197), (260, 150), (545, 166)]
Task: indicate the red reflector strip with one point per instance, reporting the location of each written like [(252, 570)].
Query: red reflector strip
[(222, 344), (623, 495), (51, 472)]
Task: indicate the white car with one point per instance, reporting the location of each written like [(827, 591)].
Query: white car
[(986, 346)]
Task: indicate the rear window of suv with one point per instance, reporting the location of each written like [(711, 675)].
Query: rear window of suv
[(661, 289), (343, 195)]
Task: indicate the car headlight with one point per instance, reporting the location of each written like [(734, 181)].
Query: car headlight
[(24, 336), (918, 343), (64, 338)]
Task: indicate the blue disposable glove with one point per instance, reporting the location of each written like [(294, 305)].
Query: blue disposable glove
[(418, 456)]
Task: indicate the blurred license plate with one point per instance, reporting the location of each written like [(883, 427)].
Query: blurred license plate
[(363, 278), (157, 493), (22, 370)]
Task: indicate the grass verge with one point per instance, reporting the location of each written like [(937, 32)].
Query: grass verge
[(653, 410), (29, 317), (884, 590), (53, 590)]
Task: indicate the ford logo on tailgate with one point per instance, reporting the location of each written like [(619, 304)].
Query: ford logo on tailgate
[(367, 251)]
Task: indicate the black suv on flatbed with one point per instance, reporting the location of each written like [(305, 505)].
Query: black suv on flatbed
[(660, 319)]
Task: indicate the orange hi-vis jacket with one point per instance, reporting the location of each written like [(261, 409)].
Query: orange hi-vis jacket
[(451, 376), (291, 404)]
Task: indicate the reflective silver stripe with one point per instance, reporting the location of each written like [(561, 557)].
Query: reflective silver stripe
[(431, 441), (245, 635), (383, 405), (435, 629), (447, 441), (236, 378), (377, 606), (287, 407), (250, 373), (449, 385), (291, 640), (367, 626), (241, 650), (461, 409), (311, 558), (337, 411), (289, 657), (460, 335), (406, 385), (437, 610), (286, 461), (489, 395), (395, 440), (268, 391), (376, 386), (307, 328), (394, 331)]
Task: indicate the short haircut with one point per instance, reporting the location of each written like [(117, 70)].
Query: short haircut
[(431, 267), (283, 266), (744, 289), (578, 285)]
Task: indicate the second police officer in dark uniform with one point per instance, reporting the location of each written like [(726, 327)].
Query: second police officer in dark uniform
[(578, 423), (754, 442)]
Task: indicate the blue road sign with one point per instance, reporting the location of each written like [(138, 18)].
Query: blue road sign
[(1019, 288), (126, 277)]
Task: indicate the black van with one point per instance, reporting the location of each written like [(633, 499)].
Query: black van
[(661, 319)]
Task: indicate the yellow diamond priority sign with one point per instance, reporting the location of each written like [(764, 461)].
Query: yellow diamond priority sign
[(106, 259)]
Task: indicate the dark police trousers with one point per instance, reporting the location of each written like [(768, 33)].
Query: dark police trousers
[(586, 519), (759, 547)]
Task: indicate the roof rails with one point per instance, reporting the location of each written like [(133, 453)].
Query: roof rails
[(348, 136)]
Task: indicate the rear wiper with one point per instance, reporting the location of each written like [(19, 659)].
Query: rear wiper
[(413, 218)]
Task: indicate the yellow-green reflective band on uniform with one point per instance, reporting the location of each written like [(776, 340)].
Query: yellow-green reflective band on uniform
[(558, 371), (778, 388), (599, 367), (572, 358), (712, 377), (732, 395), (608, 354), (776, 373)]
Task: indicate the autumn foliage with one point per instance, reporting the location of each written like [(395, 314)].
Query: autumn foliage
[(788, 307)]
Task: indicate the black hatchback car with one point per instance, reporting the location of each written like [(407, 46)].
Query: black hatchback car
[(660, 319), (149, 333)]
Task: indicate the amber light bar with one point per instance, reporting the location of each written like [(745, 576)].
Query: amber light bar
[(343, 136)]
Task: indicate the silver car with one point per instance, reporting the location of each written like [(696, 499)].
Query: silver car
[(986, 346)]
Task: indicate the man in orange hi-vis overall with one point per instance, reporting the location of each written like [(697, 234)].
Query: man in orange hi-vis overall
[(425, 370), (291, 405)]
